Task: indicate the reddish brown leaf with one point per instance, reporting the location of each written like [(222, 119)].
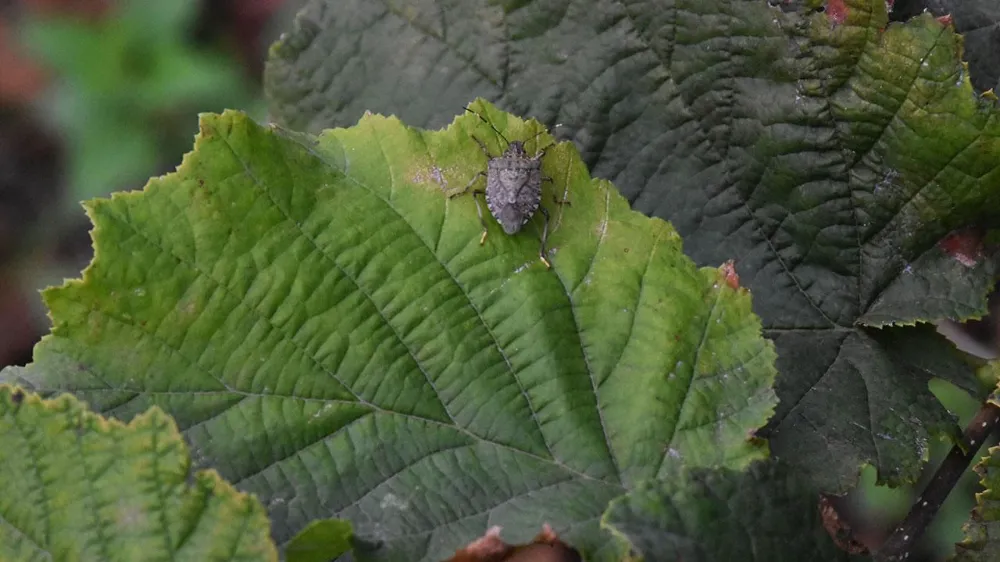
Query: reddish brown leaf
[(839, 530), (836, 11), (728, 270), (546, 547), (966, 246), (21, 79), (93, 9)]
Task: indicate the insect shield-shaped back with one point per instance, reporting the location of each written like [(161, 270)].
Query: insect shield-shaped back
[(513, 187)]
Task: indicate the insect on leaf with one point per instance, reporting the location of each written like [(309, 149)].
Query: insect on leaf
[(830, 153), (325, 327)]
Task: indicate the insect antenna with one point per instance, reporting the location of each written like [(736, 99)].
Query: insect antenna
[(483, 119), (535, 136)]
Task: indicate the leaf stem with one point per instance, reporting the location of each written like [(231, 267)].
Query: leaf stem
[(897, 547)]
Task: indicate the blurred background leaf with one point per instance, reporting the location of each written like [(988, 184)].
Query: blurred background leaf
[(97, 96), (126, 87)]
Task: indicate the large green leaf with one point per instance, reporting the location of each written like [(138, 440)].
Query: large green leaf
[(829, 152), (75, 486), (328, 332), (762, 514)]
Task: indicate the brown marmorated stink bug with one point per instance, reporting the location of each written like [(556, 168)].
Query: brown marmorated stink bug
[(513, 187)]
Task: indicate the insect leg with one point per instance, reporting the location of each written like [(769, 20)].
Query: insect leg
[(479, 211), (545, 236), (465, 189), (555, 197), (482, 145)]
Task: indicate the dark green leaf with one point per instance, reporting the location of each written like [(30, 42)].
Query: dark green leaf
[(762, 514)]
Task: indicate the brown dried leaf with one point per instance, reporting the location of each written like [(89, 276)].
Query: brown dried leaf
[(545, 547)]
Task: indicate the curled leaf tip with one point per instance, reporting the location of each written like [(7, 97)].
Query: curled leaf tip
[(729, 274), (545, 547), (966, 246), (945, 20), (838, 528), (836, 11)]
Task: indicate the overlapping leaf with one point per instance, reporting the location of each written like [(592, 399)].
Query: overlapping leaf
[(328, 332), (78, 487), (982, 532), (829, 152), (704, 515), (979, 23)]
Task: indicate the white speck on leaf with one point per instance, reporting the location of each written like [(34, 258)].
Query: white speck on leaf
[(321, 411), (391, 501)]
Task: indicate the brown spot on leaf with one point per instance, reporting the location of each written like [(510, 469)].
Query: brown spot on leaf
[(836, 11), (839, 530), (945, 20), (729, 274), (17, 397), (966, 246), (546, 547)]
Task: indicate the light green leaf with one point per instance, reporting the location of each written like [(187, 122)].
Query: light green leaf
[(979, 23), (320, 541), (825, 150), (75, 486), (762, 514), (329, 333), (982, 532)]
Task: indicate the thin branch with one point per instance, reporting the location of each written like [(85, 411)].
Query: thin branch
[(899, 544)]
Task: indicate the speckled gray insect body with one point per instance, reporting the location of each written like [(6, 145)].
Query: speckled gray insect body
[(513, 188)]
